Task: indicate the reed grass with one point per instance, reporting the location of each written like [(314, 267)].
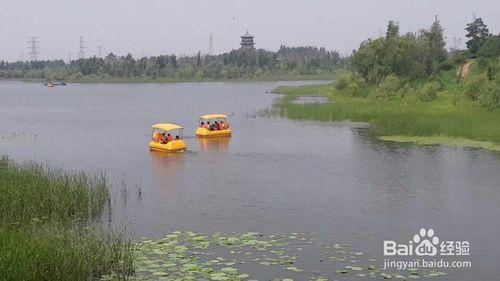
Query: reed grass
[(34, 191), (49, 228), (450, 115)]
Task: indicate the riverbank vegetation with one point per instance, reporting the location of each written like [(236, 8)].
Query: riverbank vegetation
[(49, 227), (288, 63), (410, 85)]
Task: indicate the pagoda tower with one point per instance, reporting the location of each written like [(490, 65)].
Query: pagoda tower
[(247, 42)]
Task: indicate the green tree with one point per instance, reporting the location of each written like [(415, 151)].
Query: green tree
[(478, 34), (392, 30), (363, 60), (490, 48), (436, 49)]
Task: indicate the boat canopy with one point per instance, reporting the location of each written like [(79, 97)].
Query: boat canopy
[(213, 116), (166, 126)]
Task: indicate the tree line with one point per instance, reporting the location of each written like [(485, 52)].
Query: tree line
[(414, 62), (236, 64)]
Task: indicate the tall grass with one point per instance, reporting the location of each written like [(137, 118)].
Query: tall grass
[(449, 115), (48, 229), (33, 191), (62, 252)]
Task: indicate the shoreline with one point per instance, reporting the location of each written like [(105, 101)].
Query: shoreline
[(443, 140), (173, 81), (444, 121)]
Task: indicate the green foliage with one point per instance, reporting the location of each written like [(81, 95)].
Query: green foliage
[(46, 226), (392, 30), (411, 56), (491, 73), (459, 57), (237, 64), (428, 92), (354, 88), (489, 97), (43, 252), (409, 88), (342, 82), (407, 116), (490, 48), (478, 34), (475, 86), (390, 85), (447, 64), (66, 195)]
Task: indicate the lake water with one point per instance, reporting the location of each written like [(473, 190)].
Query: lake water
[(332, 181)]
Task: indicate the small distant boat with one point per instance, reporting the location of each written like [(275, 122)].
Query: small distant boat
[(213, 125), (167, 137), (51, 84)]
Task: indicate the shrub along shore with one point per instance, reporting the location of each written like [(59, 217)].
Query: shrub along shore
[(49, 226)]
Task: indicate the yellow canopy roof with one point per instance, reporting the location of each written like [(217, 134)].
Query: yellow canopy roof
[(166, 126), (213, 116)]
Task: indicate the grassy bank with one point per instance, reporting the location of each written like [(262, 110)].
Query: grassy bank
[(400, 112), (48, 229)]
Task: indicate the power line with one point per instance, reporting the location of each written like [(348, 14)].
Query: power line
[(81, 50), (33, 48)]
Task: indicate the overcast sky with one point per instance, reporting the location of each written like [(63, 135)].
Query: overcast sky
[(152, 27)]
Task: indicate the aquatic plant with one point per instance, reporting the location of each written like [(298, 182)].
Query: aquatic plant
[(35, 191), (47, 228), (186, 255)]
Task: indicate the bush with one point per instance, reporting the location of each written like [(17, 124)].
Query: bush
[(342, 82), (406, 90), (490, 96), (429, 92), (389, 86), (491, 48), (459, 57), (354, 88), (446, 64), (474, 86)]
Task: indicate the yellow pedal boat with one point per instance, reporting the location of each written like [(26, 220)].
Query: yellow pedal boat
[(167, 137), (208, 126)]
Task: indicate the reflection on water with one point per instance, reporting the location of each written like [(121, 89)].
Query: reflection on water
[(214, 144), (168, 167)]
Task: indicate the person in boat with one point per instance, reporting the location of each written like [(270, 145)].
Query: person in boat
[(216, 126), (223, 125), (157, 137), (176, 137), (169, 138), (210, 127), (202, 125)]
